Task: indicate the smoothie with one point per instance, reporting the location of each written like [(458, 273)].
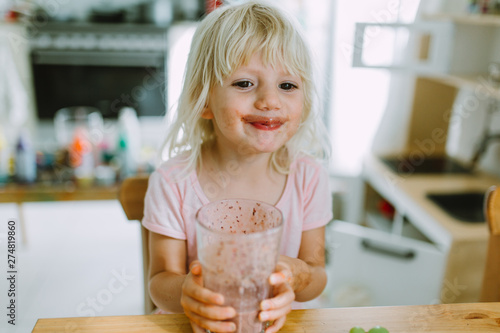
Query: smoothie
[(238, 247)]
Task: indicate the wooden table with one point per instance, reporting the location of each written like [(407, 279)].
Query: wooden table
[(442, 318)]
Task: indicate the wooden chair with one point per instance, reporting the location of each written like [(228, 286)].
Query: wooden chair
[(131, 196), (491, 283)]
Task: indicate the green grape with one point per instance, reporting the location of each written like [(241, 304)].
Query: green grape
[(378, 329), (357, 329)]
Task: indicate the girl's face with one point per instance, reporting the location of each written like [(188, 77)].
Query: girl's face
[(257, 109)]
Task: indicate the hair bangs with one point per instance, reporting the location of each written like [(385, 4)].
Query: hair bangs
[(258, 30)]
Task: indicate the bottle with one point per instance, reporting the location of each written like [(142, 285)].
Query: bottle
[(81, 157), (129, 142), (4, 158), (25, 159), (473, 7), (124, 155)]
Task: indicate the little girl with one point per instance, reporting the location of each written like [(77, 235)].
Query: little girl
[(246, 127)]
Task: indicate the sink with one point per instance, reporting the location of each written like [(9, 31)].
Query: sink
[(464, 206), (428, 165)]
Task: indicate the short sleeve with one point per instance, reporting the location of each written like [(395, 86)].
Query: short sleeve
[(318, 210), (162, 207)]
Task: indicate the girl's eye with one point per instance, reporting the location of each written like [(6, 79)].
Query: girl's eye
[(287, 86), (243, 84)]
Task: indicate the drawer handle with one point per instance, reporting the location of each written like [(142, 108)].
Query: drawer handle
[(389, 250)]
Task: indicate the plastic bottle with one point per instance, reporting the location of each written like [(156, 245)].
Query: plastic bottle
[(129, 142), (25, 159), (4, 159), (125, 157)]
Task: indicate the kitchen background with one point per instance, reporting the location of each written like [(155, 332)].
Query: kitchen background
[(84, 87)]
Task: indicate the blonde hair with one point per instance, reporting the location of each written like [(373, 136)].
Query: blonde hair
[(226, 39)]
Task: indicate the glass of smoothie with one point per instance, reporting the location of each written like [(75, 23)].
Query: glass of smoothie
[(238, 244)]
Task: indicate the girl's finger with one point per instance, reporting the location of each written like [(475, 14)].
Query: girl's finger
[(207, 310), (195, 267), (281, 266), (284, 276), (285, 297), (211, 325), (276, 326), (275, 314), (196, 328), (201, 294)]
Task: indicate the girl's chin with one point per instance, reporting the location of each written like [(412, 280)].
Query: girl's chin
[(262, 144), (263, 149)]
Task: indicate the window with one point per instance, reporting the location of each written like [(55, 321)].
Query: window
[(359, 96)]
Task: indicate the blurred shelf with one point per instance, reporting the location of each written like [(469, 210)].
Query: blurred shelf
[(17, 193)]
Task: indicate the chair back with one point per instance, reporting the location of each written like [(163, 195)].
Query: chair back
[(491, 282), (131, 196)]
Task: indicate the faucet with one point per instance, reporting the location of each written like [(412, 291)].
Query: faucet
[(487, 137), (483, 145)]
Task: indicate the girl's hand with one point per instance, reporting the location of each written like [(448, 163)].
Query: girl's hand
[(203, 307), (280, 305)]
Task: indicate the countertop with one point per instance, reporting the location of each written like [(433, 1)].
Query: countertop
[(56, 192), (408, 195), (441, 318)]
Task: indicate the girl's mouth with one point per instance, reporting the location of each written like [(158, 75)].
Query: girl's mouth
[(264, 123)]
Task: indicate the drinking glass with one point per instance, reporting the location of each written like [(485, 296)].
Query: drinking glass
[(238, 244)]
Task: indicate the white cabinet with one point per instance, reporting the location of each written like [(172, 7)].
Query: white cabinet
[(387, 260), (374, 268)]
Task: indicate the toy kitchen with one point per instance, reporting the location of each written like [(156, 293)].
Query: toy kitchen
[(422, 236)]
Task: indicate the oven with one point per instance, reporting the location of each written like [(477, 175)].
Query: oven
[(106, 66)]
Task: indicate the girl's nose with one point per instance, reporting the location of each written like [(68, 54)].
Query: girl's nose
[(268, 100)]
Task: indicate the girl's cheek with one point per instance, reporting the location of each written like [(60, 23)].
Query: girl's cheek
[(297, 119)]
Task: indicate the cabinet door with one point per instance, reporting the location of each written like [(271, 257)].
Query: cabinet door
[(421, 47), (373, 268)]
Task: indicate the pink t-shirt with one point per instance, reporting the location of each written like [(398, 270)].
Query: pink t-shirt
[(172, 200)]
